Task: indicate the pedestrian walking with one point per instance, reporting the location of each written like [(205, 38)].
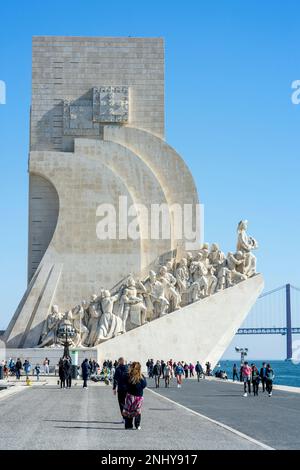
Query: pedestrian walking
[(167, 375), (235, 375), (5, 370), (67, 365), (191, 369), (269, 379), (151, 366), (246, 374), (61, 373), (157, 373), (186, 370), (172, 368), (163, 365), (46, 365), (85, 369), (37, 371), (263, 376), (120, 383), (255, 378), (18, 368), (208, 368), (148, 363), (135, 385), (27, 367), (199, 371), (179, 372)]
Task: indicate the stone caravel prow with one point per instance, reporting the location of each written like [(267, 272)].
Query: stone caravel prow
[(201, 331)]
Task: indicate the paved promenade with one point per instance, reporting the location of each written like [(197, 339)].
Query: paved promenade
[(274, 421), (46, 417)]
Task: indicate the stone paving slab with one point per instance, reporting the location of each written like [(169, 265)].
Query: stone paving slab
[(274, 421), (47, 417)]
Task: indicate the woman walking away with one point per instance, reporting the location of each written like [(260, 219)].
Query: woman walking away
[(85, 368), (186, 370), (157, 373), (255, 379), (269, 379), (167, 375), (246, 373), (179, 373), (135, 385), (61, 373)]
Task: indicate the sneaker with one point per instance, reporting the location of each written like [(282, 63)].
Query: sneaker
[(270, 394), (139, 428), (245, 395), (178, 386)]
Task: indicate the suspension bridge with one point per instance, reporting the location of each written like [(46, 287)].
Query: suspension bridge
[(276, 312)]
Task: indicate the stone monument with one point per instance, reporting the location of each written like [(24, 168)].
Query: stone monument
[(114, 228)]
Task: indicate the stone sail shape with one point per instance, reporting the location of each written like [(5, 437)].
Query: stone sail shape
[(94, 140)]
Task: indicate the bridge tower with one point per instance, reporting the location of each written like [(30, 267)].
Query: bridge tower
[(289, 336)]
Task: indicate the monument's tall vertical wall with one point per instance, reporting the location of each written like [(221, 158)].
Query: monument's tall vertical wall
[(66, 69)]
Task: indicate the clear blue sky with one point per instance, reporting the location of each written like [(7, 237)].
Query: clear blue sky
[(229, 69)]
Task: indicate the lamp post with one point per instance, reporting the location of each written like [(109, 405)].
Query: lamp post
[(243, 352), (66, 333)]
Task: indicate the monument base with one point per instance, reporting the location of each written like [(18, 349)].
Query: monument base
[(37, 355), (201, 331)]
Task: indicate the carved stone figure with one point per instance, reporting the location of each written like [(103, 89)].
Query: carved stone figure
[(205, 253), (224, 278), (138, 310), (169, 281), (182, 276), (49, 337), (92, 314), (212, 281), (216, 257), (235, 264), (110, 325), (156, 302), (80, 328), (124, 308), (246, 244)]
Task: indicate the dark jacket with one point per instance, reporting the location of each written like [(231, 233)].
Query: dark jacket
[(67, 369), (120, 378), (157, 370), (136, 389), (18, 365), (61, 371), (255, 376), (85, 367), (263, 372)]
